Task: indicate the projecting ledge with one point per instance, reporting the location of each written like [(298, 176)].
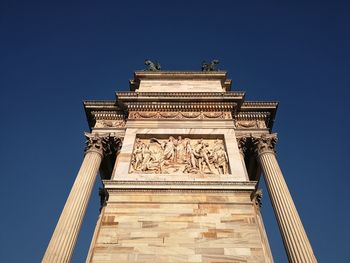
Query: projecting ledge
[(180, 185)]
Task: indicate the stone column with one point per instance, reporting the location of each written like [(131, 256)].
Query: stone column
[(62, 243), (294, 237)]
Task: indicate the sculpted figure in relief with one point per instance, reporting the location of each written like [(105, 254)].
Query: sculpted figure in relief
[(179, 156)]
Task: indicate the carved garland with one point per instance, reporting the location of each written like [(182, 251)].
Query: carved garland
[(179, 115)]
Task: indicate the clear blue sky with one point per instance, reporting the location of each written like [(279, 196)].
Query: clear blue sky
[(54, 54)]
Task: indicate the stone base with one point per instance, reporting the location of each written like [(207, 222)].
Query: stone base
[(179, 226)]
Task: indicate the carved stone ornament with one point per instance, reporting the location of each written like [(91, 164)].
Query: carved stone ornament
[(104, 144), (242, 144), (260, 124), (103, 193), (180, 115), (179, 156), (110, 124), (257, 197), (264, 143)]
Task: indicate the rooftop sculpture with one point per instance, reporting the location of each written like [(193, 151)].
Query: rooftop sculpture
[(152, 66), (210, 66)]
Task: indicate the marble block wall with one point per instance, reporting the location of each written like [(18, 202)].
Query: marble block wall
[(181, 86), (179, 226)]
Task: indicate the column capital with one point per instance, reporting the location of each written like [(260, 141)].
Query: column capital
[(104, 144), (264, 143), (104, 195), (242, 143), (256, 198)]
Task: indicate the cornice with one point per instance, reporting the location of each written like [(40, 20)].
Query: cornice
[(99, 104), (99, 110), (180, 185), (253, 105), (174, 96), (258, 110), (169, 106), (108, 115), (180, 75)]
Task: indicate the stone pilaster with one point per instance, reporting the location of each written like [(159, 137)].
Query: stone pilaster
[(62, 243), (242, 142), (294, 237)]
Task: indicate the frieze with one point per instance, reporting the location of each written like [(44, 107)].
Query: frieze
[(109, 124), (249, 124), (179, 156), (233, 94), (180, 115)]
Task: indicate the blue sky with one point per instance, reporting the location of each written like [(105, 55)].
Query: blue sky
[(54, 54)]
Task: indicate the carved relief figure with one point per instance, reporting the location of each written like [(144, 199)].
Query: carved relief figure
[(179, 156), (220, 160)]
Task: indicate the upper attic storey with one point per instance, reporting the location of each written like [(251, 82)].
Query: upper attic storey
[(180, 81), (183, 92)]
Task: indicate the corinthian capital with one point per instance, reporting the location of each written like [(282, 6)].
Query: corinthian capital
[(242, 143), (256, 197), (264, 143), (104, 144)]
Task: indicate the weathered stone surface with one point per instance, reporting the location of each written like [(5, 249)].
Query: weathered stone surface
[(163, 226), (209, 213)]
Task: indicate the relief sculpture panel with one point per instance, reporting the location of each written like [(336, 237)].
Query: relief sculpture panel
[(178, 155)]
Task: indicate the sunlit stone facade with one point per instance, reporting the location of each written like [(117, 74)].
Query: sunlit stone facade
[(180, 155)]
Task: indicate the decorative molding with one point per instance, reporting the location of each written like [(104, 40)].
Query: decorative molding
[(259, 104), (110, 124), (180, 106), (222, 115), (195, 186), (108, 115), (242, 143), (103, 193), (257, 197), (191, 95), (250, 124)]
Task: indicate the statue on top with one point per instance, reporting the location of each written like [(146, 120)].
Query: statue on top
[(152, 66), (210, 66)]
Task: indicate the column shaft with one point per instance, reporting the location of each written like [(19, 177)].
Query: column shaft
[(294, 237), (63, 240)]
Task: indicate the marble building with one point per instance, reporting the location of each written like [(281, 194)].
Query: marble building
[(180, 156)]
